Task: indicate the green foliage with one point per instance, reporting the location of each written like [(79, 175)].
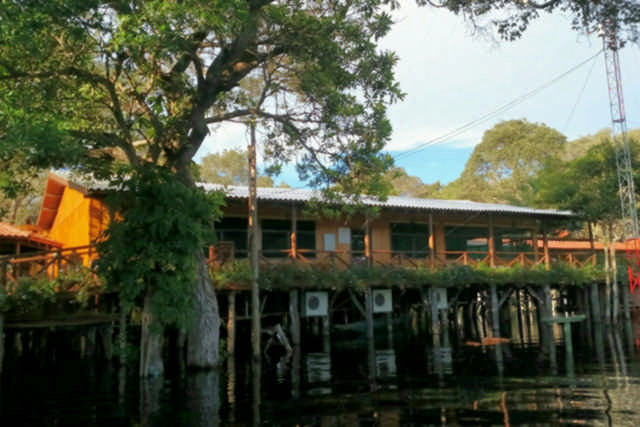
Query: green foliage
[(147, 81), (72, 289), (230, 167), (149, 250), (586, 185), (283, 276), (403, 184), (502, 165), (511, 18)]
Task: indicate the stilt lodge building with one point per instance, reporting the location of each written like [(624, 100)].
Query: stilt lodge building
[(406, 231)]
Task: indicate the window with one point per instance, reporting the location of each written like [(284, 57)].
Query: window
[(276, 237), (233, 230), (513, 240), (411, 240), (357, 242), (466, 239)]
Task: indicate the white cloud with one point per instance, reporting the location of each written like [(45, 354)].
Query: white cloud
[(223, 137)]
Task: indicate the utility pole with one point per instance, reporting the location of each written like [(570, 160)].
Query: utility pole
[(253, 245)]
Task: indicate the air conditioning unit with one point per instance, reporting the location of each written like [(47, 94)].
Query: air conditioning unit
[(440, 295), (316, 304), (382, 301)]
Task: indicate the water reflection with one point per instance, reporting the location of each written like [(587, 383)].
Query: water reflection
[(318, 373), (358, 382), (386, 364)]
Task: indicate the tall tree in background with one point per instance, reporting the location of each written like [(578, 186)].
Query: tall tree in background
[(229, 168), (586, 185), (403, 184), (502, 165), (85, 84)]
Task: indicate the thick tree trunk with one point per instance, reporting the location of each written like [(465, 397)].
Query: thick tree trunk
[(203, 342), (151, 340)]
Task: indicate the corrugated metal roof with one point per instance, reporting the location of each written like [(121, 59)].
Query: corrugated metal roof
[(304, 195), (301, 195), (12, 232)]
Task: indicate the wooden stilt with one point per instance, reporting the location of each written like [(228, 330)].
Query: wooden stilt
[(294, 315), (551, 342), (495, 320), (568, 342), (390, 329), (106, 333), (371, 348), (368, 303), (1, 341), (122, 337), (615, 309), (253, 248), (435, 331), (231, 324), (326, 334), (91, 342)]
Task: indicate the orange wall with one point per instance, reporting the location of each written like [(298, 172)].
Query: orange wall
[(71, 225)]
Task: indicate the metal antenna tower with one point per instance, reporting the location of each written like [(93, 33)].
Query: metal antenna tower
[(619, 133)]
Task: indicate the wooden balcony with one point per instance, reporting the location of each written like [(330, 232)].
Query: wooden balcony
[(224, 252)]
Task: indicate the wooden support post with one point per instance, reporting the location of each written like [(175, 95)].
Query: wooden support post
[(231, 324), (492, 244), (545, 246), (607, 299), (368, 306), (432, 244), (548, 328), (367, 243), (3, 274), (326, 334), (615, 309), (122, 337), (294, 232), (106, 333), (368, 303), (534, 242), (294, 315), (1, 340), (91, 341), (568, 342), (390, 329), (435, 331), (495, 320)]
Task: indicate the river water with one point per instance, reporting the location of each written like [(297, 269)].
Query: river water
[(399, 381)]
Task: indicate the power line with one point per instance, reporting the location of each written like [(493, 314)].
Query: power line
[(442, 138), (584, 86)]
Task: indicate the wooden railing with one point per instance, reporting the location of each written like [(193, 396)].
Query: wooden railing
[(52, 263), (406, 258), (44, 263)]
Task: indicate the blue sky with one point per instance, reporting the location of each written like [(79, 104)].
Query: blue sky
[(453, 76)]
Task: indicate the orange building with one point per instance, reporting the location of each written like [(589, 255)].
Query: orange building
[(407, 230)]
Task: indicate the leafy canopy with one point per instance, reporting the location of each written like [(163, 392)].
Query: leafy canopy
[(145, 81), (502, 165), (587, 185), (511, 18), (229, 168)]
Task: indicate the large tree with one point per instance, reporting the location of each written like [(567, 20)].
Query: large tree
[(101, 83), (502, 165)]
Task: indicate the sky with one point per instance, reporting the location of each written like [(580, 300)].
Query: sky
[(453, 76)]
